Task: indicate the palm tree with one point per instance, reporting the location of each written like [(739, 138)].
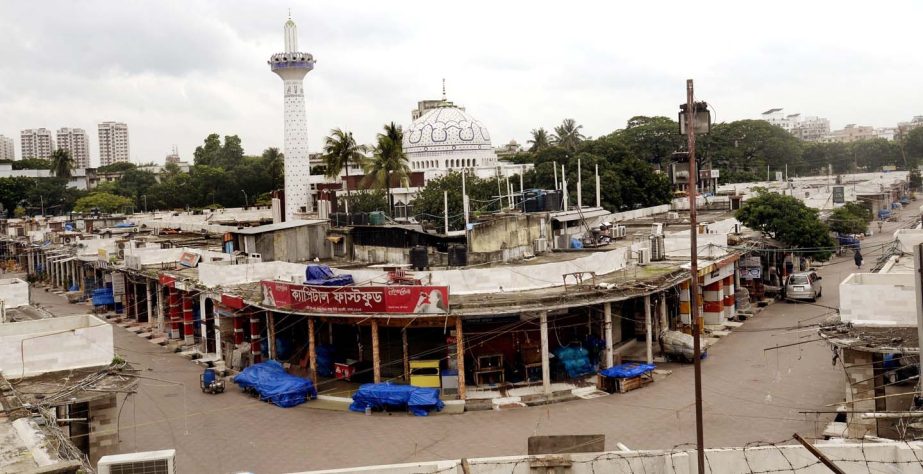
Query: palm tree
[(61, 163), (340, 151), (275, 162), (539, 140), (388, 159), (567, 135)]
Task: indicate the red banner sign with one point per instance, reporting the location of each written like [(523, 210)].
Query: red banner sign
[(357, 299)]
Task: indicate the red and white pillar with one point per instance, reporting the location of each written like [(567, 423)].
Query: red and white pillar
[(255, 352), (730, 303), (685, 311), (713, 302), (238, 322), (188, 329), (173, 299)]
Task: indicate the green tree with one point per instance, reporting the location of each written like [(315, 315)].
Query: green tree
[(875, 153), (851, 218), (746, 147), (61, 163), (135, 183), (429, 203), (388, 162), (367, 201), (539, 140), (32, 164), (653, 139), (913, 147), (275, 163), (341, 151), (208, 153), (19, 212), (567, 135), (118, 167), (105, 202), (788, 220)]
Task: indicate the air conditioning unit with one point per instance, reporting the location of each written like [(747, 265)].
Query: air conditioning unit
[(657, 228), (644, 256), (658, 251), (240, 259), (161, 462), (673, 215), (254, 258), (540, 245), (619, 232)]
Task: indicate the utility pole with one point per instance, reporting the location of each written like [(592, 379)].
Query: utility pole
[(694, 271)]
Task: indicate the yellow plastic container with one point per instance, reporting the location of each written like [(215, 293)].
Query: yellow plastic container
[(425, 373)]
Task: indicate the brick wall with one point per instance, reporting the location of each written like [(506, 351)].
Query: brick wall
[(104, 437)]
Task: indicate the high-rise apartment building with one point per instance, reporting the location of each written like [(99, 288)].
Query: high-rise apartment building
[(113, 143), (7, 149), (74, 140), (36, 143)]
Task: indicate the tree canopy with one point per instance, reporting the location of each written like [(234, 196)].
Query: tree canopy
[(787, 219), (104, 202), (851, 218)]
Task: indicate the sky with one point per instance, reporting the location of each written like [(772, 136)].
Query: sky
[(175, 71)]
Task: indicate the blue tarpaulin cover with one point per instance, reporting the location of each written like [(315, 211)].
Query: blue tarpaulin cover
[(122, 225), (627, 371), (576, 360), (418, 400), (272, 383), (103, 297), (323, 275)]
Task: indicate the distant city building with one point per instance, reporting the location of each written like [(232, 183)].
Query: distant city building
[(888, 133), (75, 141), (904, 127), (510, 149), (851, 133), (7, 149), (807, 128), (113, 143), (173, 157), (36, 143), (810, 128)]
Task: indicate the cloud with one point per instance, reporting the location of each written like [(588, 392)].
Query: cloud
[(176, 71)]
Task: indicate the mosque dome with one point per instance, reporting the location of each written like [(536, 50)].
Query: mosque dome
[(446, 128)]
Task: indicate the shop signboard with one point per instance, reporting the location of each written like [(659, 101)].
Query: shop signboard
[(838, 195), (189, 259), (403, 299), (751, 273), (118, 284)]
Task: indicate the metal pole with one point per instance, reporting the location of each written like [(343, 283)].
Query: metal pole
[(918, 283), (819, 455), (694, 271), (445, 210)]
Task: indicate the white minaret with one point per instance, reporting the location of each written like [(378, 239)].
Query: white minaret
[(292, 66)]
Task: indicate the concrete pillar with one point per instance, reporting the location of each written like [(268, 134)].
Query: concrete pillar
[(730, 302), (648, 329), (103, 427), (685, 309), (546, 367), (203, 323), (147, 300), (217, 334), (376, 357), (175, 310), (607, 331), (271, 334), (406, 354), (460, 354), (664, 319), (255, 331), (188, 321), (713, 302), (160, 312), (312, 350), (238, 322)]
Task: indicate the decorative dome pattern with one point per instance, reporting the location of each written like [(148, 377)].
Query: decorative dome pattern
[(446, 129)]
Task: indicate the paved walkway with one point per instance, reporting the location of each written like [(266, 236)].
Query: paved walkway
[(751, 394)]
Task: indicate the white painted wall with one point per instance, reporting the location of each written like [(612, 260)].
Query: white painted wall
[(14, 292), (850, 457), (710, 245), (878, 299), (31, 348), (226, 274)]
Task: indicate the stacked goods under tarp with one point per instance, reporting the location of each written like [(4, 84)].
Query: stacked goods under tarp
[(575, 359), (270, 381), (322, 275), (384, 396), (678, 345), (625, 377), (103, 297)]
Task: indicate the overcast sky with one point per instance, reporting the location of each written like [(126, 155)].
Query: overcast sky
[(177, 71)]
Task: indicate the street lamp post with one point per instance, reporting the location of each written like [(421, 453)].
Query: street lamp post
[(246, 199), (144, 196), (694, 118)]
